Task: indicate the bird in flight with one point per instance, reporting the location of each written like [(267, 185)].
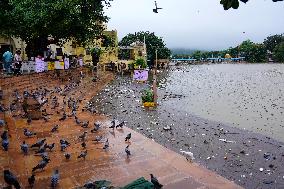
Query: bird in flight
[(156, 9)]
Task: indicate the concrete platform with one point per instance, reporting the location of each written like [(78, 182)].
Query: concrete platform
[(172, 169)]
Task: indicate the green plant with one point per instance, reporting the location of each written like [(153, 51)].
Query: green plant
[(147, 96), (140, 62)]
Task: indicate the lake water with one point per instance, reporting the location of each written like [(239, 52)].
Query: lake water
[(247, 96)]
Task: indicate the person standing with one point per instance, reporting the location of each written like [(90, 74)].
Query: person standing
[(18, 62), (7, 59)]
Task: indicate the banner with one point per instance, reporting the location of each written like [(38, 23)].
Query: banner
[(39, 65), (50, 65), (66, 63), (59, 65), (140, 75)]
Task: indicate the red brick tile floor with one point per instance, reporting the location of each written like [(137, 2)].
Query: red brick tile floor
[(172, 169)]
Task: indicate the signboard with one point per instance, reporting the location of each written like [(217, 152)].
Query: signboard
[(66, 63), (59, 65), (80, 61), (140, 75), (39, 65), (50, 65)]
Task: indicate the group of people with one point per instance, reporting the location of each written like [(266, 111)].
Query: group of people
[(12, 64)]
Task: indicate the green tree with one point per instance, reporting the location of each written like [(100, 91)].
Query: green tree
[(61, 20), (197, 55), (278, 52), (152, 41), (252, 52), (227, 4), (272, 41)]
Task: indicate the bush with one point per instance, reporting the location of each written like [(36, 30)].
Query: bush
[(140, 62), (147, 96)]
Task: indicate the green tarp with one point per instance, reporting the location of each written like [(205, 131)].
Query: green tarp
[(140, 183)]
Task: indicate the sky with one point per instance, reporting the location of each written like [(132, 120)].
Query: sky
[(198, 24)]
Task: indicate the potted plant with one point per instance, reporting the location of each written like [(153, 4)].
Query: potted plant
[(148, 98), (140, 63)]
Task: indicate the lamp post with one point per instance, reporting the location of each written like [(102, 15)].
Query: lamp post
[(155, 79)]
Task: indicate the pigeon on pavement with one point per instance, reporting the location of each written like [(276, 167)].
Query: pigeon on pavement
[(10, 179), (155, 181)]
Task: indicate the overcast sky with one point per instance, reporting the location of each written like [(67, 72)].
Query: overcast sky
[(198, 24)]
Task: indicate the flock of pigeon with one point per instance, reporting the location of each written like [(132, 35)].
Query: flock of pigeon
[(41, 148)]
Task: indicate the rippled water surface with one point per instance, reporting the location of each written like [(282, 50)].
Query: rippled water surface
[(248, 96)]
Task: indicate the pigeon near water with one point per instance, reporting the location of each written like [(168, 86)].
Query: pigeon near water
[(155, 181), (128, 137)]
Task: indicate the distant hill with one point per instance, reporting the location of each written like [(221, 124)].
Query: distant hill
[(184, 51)]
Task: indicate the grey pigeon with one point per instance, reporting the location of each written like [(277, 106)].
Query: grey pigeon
[(24, 148), (98, 138), (41, 149), (11, 180), (38, 143), (55, 128), (5, 144), (31, 180), (78, 122), (85, 124), (42, 164), (96, 127), (49, 146), (67, 156), (28, 133), (106, 146), (128, 137), (112, 124), (63, 117), (155, 181), (83, 154), (55, 179), (127, 151), (83, 136), (5, 135)]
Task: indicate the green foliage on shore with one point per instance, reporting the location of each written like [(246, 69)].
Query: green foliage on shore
[(272, 47), (227, 4)]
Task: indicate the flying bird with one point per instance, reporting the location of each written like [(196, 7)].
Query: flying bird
[(155, 10), (155, 181)]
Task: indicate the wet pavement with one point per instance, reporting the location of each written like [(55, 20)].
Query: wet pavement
[(172, 169), (248, 158)]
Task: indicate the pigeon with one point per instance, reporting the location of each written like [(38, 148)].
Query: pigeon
[(78, 122), (5, 144), (96, 127), (112, 124), (38, 143), (188, 155), (83, 154), (67, 156), (24, 148), (63, 146), (55, 128), (98, 138), (44, 156), (90, 185), (55, 178), (106, 145), (155, 10), (85, 124), (49, 146), (45, 118), (63, 117), (84, 145), (28, 133), (83, 136), (29, 120), (120, 125), (5, 135), (2, 123), (42, 164), (127, 151), (128, 137), (156, 183), (31, 180), (11, 180), (41, 150)]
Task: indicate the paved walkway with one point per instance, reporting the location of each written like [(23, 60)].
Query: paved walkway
[(172, 169)]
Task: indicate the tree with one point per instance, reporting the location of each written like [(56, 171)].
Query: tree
[(36, 22), (272, 41), (227, 4), (278, 52), (252, 52), (152, 41)]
